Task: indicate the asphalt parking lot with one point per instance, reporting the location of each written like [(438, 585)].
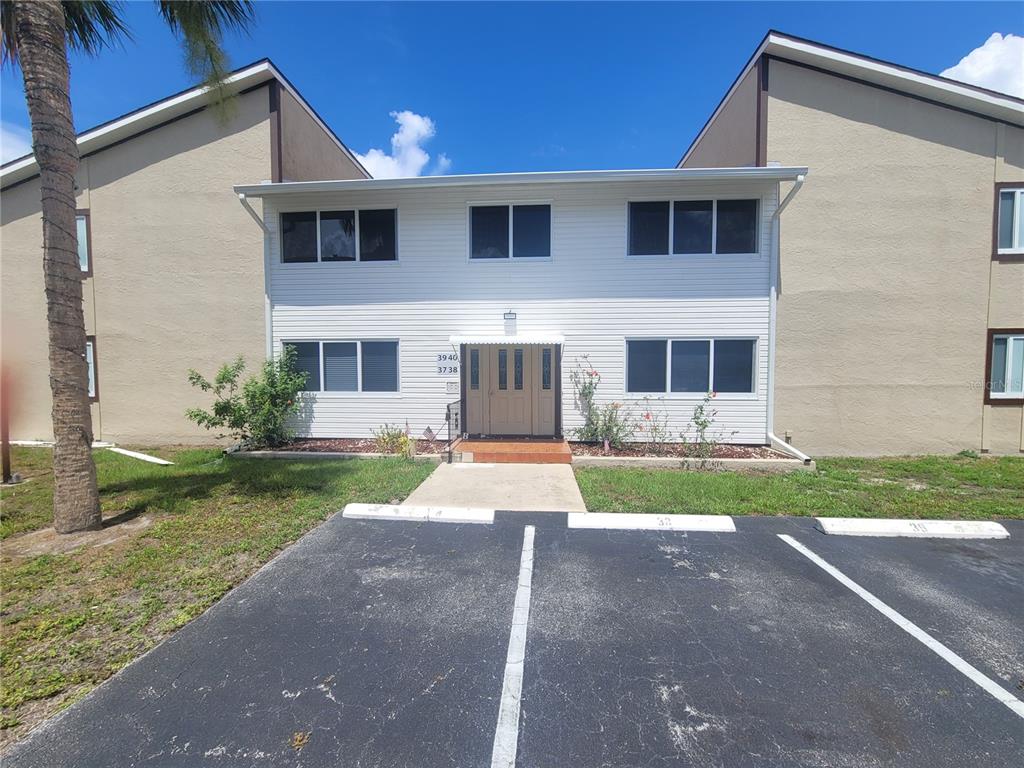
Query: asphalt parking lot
[(398, 643)]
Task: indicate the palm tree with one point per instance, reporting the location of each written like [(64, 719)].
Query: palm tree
[(36, 34)]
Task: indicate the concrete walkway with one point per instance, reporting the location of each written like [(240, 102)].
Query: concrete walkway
[(518, 487)]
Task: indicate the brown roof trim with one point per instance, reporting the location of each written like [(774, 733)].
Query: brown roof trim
[(989, 400), (276, 163)]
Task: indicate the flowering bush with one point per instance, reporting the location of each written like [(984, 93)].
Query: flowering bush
[(702, 446), (391, 438), (652, 424), (256, 414), (608, 424)]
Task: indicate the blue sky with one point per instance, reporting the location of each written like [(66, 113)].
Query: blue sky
[(518, 87)]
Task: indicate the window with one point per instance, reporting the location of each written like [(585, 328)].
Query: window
[(1010, 220), (646, 366), (347, 366), (502, 369), (341, 371), (90, 361), (701, 227), (545, 368), (524, 231), (691, 366), (355, 235), (517, 369), (474, 368), (307, 360), (83, 233), (1006, 371)]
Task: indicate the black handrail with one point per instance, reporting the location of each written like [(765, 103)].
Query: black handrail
[(453, 415)]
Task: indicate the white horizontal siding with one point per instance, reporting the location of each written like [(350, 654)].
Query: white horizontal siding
[(589, 291)]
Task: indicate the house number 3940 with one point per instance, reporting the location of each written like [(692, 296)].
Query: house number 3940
[(447, 364)]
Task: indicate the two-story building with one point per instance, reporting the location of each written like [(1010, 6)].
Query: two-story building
[(401, 296), (901, 295)]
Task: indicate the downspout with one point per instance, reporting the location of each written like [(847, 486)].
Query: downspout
[(773, 292), (268, 327)]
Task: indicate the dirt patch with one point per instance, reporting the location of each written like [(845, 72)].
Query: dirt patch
[(678, 450), (47, 541), (357, 445)]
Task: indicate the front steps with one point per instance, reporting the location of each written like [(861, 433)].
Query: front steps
[(514, 451)]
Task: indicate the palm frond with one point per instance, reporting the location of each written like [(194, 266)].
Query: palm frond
[(200, 25), (91, 25)]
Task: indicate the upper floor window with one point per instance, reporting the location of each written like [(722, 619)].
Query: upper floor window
[(693, 227), (84, 236), (1006, 374), (496, 231), (691, 366), (343, 235), (347, 366), (1010, 220)]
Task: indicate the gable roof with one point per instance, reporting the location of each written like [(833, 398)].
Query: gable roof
[(163, 111), (885, 74)]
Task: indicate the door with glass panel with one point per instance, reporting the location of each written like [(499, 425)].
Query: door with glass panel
[(510, 397)]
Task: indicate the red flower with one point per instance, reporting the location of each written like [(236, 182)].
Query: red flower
[(714, 394), (647, 416)]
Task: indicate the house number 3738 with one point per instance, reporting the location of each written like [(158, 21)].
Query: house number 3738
[(447, 364)]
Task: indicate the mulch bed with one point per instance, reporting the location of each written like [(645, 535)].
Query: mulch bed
[(356, 445), (677, 450)]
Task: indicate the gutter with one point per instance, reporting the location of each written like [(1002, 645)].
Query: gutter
[(773, 293), (268, 320)]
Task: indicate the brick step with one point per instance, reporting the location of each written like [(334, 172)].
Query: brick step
[(515, 451)]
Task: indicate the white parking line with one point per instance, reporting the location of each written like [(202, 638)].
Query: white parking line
[(921, 529), (420, 514), (644, 522), (506, 734), (990, 686)]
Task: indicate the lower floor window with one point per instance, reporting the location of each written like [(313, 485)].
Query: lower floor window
[(347, 366), (1006, 376), (90, 360), (691, 366)]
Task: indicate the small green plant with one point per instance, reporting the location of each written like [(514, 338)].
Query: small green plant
[(391, 438), (255, 412), (653, 425), (703, 444), (609, 424), (967, 453)]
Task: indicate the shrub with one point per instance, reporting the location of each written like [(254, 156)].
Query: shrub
[(391, 439), (256, 412), (608, 424), (652, 423)]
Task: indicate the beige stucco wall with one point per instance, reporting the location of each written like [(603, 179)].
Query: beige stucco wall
[(307, 153), (885, 270), (178, 274), (731, 139)]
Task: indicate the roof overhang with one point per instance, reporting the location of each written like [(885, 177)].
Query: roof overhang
[(769, 174), (168, 109), (942, 90), (483, 339)]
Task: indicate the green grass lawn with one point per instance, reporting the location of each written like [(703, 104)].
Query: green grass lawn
[(70, 620), (937, 487)]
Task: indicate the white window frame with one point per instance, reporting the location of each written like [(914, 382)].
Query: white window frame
[(319, 253), (470, 205), (86, 216), (1018, 201), (358, 391), (668, 393), (714, 226), (1013, 340), (90, 361)]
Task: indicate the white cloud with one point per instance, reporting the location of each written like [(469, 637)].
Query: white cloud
[(15, 141), (998, 64), (408, 157)]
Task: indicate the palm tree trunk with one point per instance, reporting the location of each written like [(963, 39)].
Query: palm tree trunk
[(44, 65)]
